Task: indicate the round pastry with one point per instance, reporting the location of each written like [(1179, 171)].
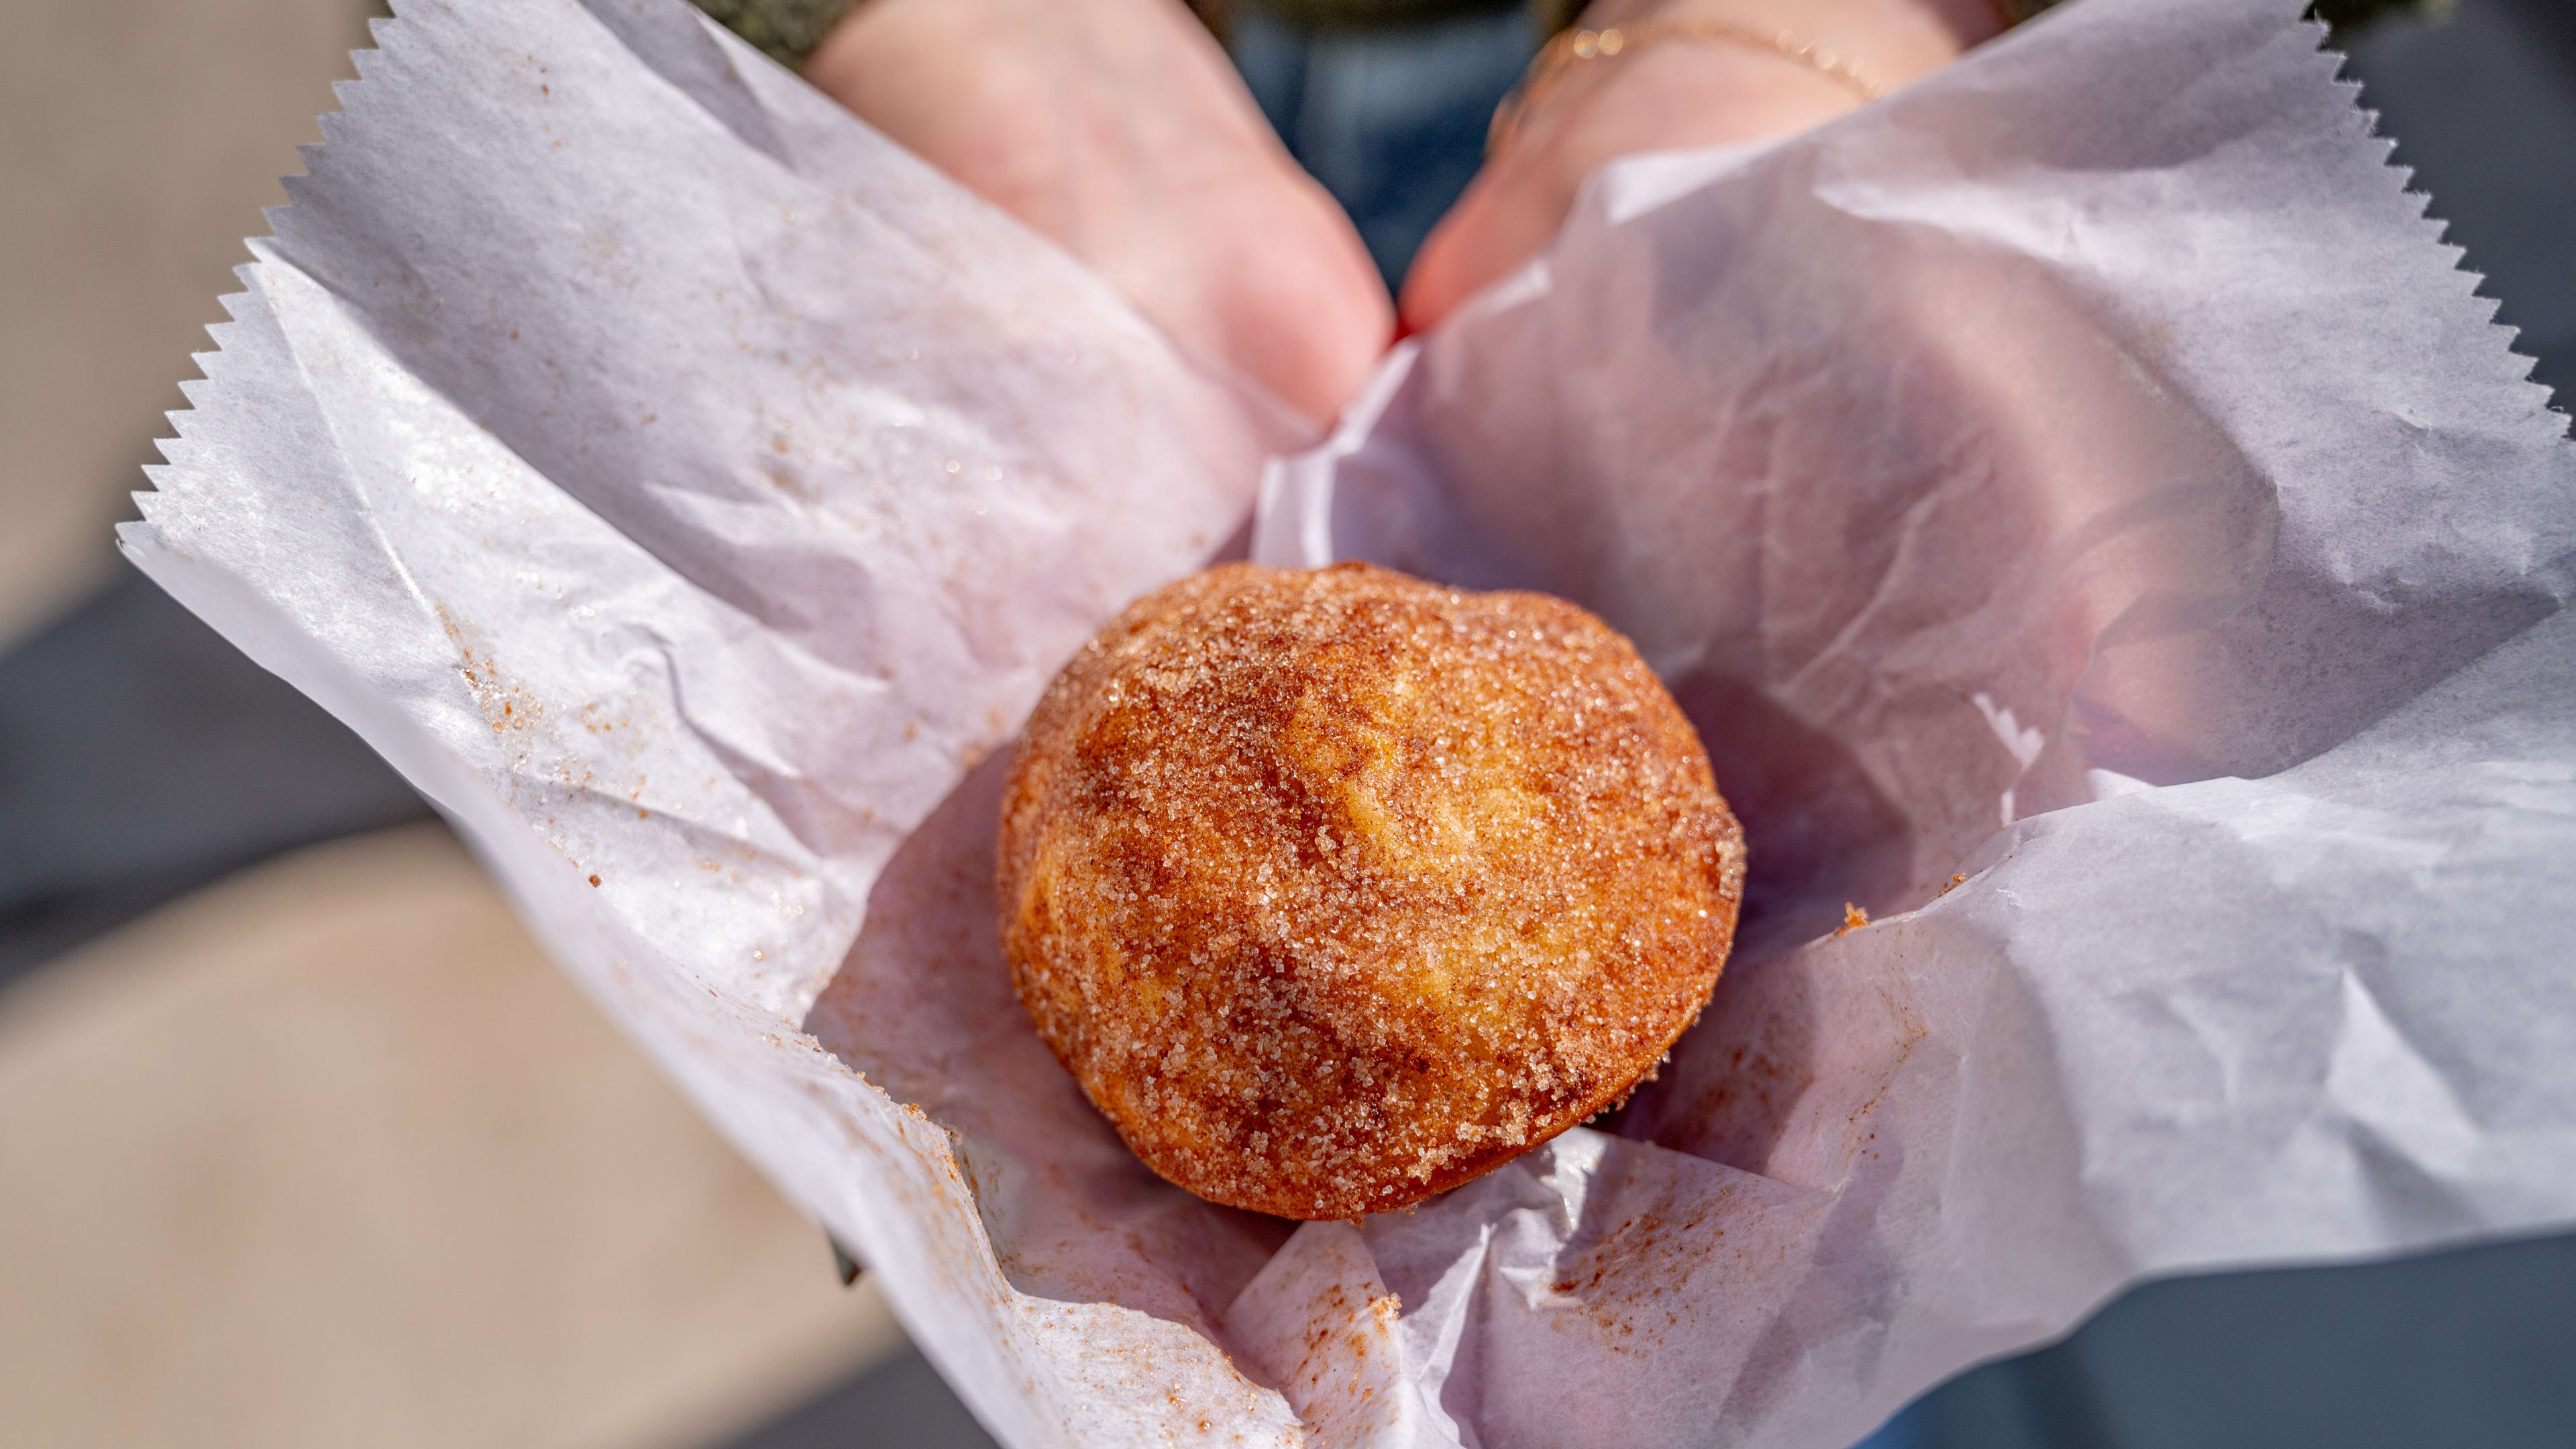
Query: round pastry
[(1336, 889)]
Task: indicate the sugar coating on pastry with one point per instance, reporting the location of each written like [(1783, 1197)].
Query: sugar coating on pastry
[(1335, 889)]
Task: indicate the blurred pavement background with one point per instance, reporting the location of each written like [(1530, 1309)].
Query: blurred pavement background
[(302, 1141), (326, 1153)]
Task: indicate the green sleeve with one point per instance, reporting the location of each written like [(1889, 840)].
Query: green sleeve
[(788, 30)]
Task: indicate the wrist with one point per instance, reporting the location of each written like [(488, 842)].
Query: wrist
[(1895, 41), (1721, 71)]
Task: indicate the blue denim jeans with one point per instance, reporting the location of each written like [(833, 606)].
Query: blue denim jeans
[(1391, 121)]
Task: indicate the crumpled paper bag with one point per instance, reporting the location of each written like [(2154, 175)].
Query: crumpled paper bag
[(2094, 525)]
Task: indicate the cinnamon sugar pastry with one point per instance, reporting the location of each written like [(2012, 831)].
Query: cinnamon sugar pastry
[(1336, 889)]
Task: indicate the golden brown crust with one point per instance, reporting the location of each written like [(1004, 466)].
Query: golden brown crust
[(1337, 889)]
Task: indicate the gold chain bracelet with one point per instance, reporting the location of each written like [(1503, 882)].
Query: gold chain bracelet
[(1570, 46)]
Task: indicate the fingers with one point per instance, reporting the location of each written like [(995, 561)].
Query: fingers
[(1314, 322), (1500, 222), (1671, 93), (1118, 129), (1255, 268), (1678, 96)]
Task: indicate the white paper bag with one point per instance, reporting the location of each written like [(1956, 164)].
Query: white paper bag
[(2093, 524)]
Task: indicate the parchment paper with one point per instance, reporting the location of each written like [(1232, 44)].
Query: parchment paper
[(2090, 518)]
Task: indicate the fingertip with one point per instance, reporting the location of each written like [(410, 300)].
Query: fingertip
[(1461, 253), (1319, 353), (1431, 285)]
